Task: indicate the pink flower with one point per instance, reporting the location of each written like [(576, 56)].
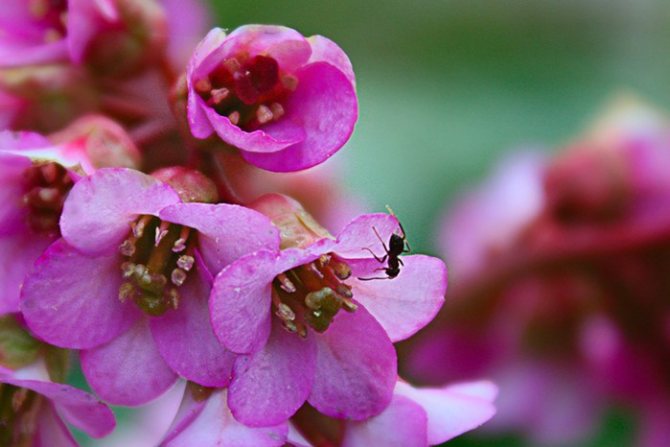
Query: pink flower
[(187, 22), (205, 419), (292, 312), (287, 102), (128, 283), (38, 409)]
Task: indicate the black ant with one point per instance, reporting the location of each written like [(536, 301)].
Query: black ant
[(398, 245)]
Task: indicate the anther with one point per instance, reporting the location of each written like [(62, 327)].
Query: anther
[(341, 270), (277, 110), (263, 114), (161, 232), (203, 85), (127, 247), (218, 96), (173, 296), (285, 283), (349, 305), (314, 300), (234, 117), (185, 262), (285, 312), (49, 172), (139, 226), (180, 244), (344, 290), (290, 326), (178, 276), (127, 268), (126, 291), (232, 65), (324, 260)]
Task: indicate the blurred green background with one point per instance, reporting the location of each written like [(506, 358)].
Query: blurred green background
[(446, 87)]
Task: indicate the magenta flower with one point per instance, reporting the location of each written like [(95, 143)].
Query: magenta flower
[(129, 281), (300, 316), (33, 411), (205, 419), (286, 101), (419, 417)]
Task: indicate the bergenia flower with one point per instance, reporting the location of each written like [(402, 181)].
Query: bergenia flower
[(128, 282), (34, 410), (309, 328), (205, 419), (286, 101)]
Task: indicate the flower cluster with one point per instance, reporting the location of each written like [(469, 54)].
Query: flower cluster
[(562, 284), (137, 241)]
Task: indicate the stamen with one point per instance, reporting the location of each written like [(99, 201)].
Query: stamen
[(285, 283), (185, 262), (178, 276), (127, 247), (341, 270), (139, 226), (161, 232), (285, 312), (218, 95), (49, 172), (126, 292), (232, 65), (349, 305), (234, 117), (173, 295), (264, 114), (277, 110), (203, 85), (180, 244), (128, 268)]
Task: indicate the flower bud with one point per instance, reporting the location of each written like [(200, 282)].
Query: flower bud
[(296, 226), (191, 185)]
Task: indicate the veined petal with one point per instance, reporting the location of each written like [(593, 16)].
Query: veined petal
[(128, 370), (99, 209), (359, 236), (71, 300), (325, 50), (356, 368)]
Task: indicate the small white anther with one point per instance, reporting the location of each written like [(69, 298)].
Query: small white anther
[(178, 276)]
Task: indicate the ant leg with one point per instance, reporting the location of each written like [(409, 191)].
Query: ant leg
[(380, 260), (380, 239), (370, 279), (401, 263)]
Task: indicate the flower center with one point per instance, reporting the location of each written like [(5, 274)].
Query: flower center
[(249, 91), (158, 258), (51, 16), (18, 415), (312, 294), (47, 185)]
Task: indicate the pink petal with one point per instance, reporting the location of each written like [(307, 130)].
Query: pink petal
[(261, 141), (18, 253), (324, 49), (185, 339), (326, 107), (71, 300), (407, 303), (452, 410), (269, 386), (128, 370), (401, 424), (356, 368), (214, 425), (187, 21), (99, 209), (225, 232), (359, 235), (240, 302), (78, 408)]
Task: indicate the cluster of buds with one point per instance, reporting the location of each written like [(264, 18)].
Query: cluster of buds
[(562, 267), (140, 228)]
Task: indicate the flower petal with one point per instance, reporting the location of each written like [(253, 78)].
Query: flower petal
[(271, 385), (359, 235), (405, 304), (128, 370), (214, 425), (17, 256), (225, 232), (77, 407), (326, 107), (356, 368), (71, 300), (185, 339), (52, 431), (99, 209), (239, 304), (324, 49), (454, 409), (287, 46), (12, 189), (402, 424)]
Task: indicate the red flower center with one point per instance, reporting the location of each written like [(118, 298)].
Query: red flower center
[(249, 91), (47, 185), (312, 294), (158, 258)]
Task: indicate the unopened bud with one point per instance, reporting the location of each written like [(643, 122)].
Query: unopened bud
[(191, 185)]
